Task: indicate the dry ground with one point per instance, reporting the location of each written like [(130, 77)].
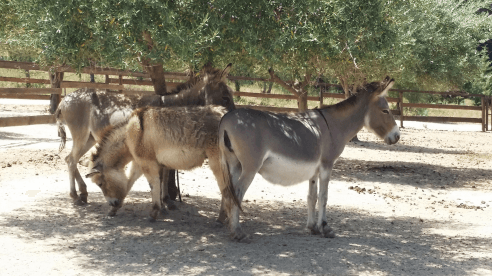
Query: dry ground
[(420, 207)]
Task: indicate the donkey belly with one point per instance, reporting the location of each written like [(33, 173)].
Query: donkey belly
[(287, 171), (181, 158)]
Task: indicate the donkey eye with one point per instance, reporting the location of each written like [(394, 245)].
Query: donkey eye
[(386, 111)]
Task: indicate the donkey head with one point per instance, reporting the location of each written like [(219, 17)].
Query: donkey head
[(379, 119), (216, 90), (112, 182)]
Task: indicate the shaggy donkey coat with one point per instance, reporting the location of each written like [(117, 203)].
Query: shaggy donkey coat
[(178, 138), (88, 112)]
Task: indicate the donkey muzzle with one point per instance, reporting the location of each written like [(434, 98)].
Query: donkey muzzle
[(114, 202), (393, 137)]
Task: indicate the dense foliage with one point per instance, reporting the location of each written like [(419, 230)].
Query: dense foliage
[(425, 44)]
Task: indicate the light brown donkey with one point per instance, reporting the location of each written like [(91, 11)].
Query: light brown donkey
[(88, 112), (178, 138), (287, 149)]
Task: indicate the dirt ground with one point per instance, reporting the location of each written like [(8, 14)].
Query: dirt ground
[(420, 207)]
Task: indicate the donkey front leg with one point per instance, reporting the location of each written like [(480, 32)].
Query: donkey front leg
[(322, 226), (311, 202), (153, 174)]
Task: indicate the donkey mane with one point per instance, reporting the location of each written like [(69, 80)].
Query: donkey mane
[(366, 89), (194, 79), (107, 133)]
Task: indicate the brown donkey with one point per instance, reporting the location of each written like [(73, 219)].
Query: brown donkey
[(287, 149), (88, 112), (179, 138)]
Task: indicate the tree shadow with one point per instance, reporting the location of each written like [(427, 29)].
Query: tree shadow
[(408, 173), (188, 241), (403, 148), (25, 140)]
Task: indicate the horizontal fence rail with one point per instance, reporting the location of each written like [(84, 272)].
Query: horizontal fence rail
[(121, 85), (27, 120)]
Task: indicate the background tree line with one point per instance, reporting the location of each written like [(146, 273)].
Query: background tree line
[(424, 44)]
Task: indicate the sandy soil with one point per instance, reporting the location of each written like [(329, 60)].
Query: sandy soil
[(420, 207)]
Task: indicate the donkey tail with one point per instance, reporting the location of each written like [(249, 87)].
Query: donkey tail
[(61, 129), (226, 175)]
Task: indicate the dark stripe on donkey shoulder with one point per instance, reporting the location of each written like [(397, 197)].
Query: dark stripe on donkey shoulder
[(140, 114)]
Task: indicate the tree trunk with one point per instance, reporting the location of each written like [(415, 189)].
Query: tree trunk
[(156, 72), (265, 90), (346, 90), (55, 99), (28, 75), (302, 102)]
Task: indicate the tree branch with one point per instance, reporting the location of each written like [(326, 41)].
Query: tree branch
[(282, 83)]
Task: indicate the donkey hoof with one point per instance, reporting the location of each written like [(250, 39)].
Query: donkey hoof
[(241, 237), (151, 219), (171, 206), (78, 202), (328, 232), (218, 224), (83, 198), (314, 230), (112, 213), (246, 239)]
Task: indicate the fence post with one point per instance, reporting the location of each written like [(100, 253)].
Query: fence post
[(483, 112), (28, 75), (107, 82), (56, 80), (400, 105), (121, 82), (487, 99), (320, 96)]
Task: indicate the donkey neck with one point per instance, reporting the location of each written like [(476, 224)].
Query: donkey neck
[(347, 118), (186, 97), (113, 151)]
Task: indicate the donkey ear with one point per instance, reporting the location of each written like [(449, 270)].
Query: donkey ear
[(95, 170), (225, 72), (389, 83)]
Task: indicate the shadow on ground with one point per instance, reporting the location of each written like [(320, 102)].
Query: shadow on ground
[(408, 173), (403, 148), (188, 240)]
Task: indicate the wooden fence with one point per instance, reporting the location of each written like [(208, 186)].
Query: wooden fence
[(118, 85)]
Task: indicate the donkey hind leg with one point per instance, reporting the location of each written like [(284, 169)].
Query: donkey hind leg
[(81, 144), (152, 172), (311, 202), (322, 225), (214, 163), (165, 198), (240, 186)]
